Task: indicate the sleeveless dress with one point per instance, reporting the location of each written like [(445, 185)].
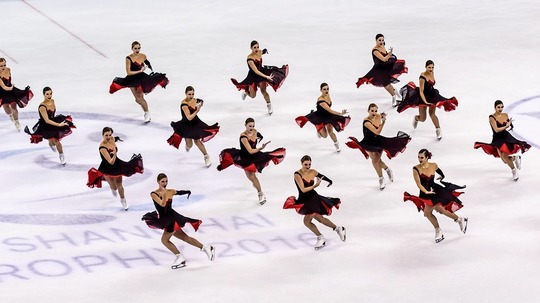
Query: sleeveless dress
[(447, 196), (411, 97), (119, 168), (311, 202), (142, 81), (250, 162), (377, 143), (383, 73), (252, 79), (19, 96), (502, 141), (194, 129), (44, 130), (320, 117), (166, 218)]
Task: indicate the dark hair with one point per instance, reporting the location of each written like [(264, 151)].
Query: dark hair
[(429, 62), (46, 89), (371, 105), (323, 85), (161, 176), (498, 102), (189, 88), (305, 158), (134, 43), (254, 42), (107, 129), (378, 36), (426, 153), (2, 60), (249, 120)]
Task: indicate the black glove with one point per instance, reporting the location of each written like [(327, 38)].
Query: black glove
[(183, 192), (116, 139), (264, 51), (325, 178)]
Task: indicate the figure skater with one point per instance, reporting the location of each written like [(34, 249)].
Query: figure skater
[(50, 126), (386, 69), (112, 169), (504, 145), (373, 144), (311, 204), (261, 76), (191, 127), (11, 96), (250, 157), (426, 96), (172, 223), (137, 80), (443, 199), (324, 118)]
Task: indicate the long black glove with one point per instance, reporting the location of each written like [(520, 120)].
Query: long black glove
[(183, 192), (439, 171), (325, 178), (148, 64)]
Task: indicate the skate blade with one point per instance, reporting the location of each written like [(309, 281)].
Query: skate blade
[(213, 253), (439, 240), (319, 247), (466, 224), (181, 265), (262, 202)]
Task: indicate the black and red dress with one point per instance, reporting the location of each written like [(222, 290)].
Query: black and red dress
[(142, 81), (192, 129), (118, 169), (383, 73), (250, 162), (15, 95), (502, 141), (48, 131), (377, 143), (445, 195), (252, 79), (311, 202), (411, 97), (320, 117), (166, 218)]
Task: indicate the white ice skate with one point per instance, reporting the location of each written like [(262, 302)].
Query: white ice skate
[(394, 101), (17, 125), (124, 203), (207, 161), (269, 106), (53, 148), (262, 198), (342, 233), (147, 117), (415, 122), (382, 184), (114, 193), (390, 174), (438, 235), (515, 174), (438, 133), (463, 222), (209, 251), (62, 159), (179, 262), (517, 161), (336, 145), (321, 242), (244, 95)]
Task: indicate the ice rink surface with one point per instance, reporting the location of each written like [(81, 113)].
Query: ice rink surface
[(63, 242)]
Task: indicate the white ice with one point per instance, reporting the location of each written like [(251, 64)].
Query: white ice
[(483, 51)]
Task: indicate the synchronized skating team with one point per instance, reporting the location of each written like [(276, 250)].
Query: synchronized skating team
[(250, 157)]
